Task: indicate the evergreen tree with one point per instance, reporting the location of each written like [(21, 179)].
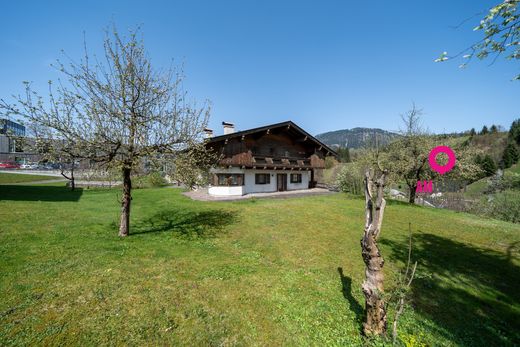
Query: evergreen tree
[(493, 129), (514, 131), (472, 132), (344, 155), (514, 154), (510, 155), (488, 165), (484, 130), (479, 159)]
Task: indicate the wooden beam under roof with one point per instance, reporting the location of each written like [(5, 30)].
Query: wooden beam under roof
[(302, 140)]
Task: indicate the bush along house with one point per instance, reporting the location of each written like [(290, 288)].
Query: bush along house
[(271, 158)]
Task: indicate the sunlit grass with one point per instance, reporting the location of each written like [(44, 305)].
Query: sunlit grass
[(21, 178), (257, 272)]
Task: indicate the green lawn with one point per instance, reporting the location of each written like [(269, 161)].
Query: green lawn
[(515, 168), (23, 178), (258, 272), (477, 188)]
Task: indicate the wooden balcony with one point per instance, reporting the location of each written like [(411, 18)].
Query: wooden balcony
[(249, 160)]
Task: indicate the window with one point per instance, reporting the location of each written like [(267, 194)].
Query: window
[(262, 179), (296, 178), (229, 180)]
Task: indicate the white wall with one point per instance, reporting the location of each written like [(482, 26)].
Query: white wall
[(251, 187), (306, 177), (226, 191)]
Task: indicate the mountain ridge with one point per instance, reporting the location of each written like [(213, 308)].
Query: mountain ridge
[(357, 137)]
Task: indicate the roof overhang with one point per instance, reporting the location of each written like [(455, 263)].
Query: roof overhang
[(267, 128)]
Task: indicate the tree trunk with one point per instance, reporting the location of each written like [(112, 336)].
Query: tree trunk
[(124, 225), (413, 190), (70, 178), (72, 183), (375, 323)]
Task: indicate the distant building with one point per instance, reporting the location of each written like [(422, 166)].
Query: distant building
[(8, 127), (5, 144), (10, 148)]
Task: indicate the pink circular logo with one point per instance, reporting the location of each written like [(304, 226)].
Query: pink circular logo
[(442, 169)]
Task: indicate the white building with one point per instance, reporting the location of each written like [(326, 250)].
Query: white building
[(272, 158)]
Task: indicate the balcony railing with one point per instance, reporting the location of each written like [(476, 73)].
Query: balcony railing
[(281, 161)]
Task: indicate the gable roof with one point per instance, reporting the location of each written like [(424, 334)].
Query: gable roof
[(288, 124)]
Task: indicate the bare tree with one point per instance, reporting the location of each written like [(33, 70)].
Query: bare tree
[(412, 122), (407, 157), (376, 320), (118, 111)]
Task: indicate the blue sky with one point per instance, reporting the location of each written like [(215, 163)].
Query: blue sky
[(326, 65)]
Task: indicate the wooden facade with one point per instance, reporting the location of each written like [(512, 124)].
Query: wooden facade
[(282, 146)]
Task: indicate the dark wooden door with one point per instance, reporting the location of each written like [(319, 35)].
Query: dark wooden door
[(281, 182)]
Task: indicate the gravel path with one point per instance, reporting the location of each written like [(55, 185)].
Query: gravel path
[(202, 195)]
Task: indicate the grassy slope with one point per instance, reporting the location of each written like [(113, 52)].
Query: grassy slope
[(492, 144), (261, 272), (21, 178), (515, 168), (477, 188)]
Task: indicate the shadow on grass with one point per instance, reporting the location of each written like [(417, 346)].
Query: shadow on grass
[(189, 224), (39, 193), (346, 288), (471, 294)]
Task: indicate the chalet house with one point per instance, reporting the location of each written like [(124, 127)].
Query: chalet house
[(271, 158)]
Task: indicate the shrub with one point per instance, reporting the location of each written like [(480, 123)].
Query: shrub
[(510, 180), (154, 179), (330, 162), (350, 179), (504, 206)]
